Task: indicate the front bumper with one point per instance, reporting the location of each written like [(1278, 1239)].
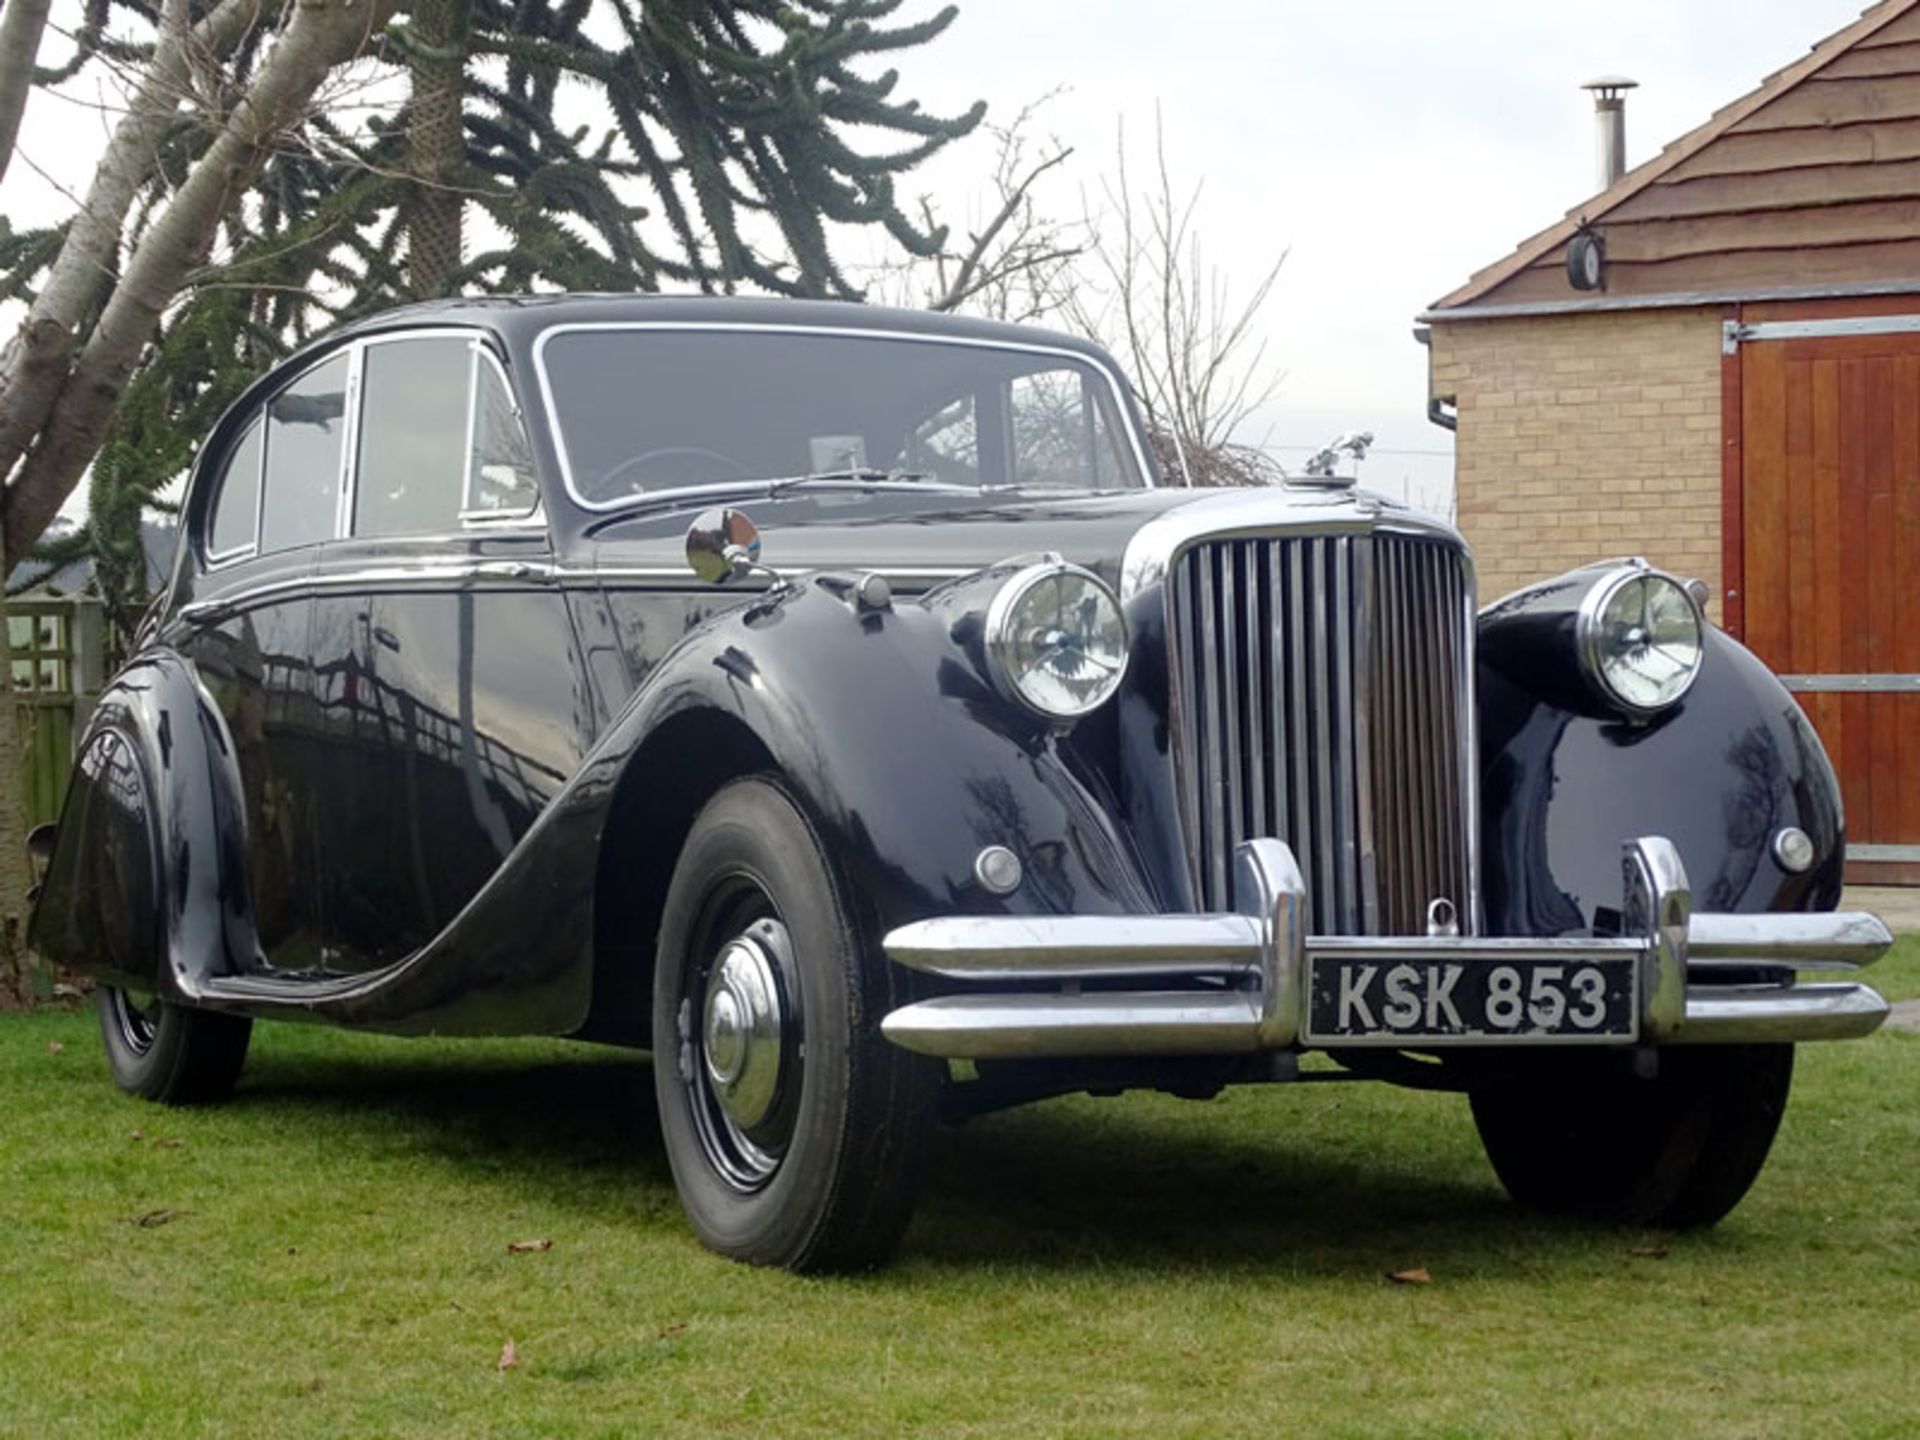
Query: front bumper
[(1062, 986)]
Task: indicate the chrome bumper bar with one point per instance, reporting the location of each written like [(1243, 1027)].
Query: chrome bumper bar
[(1237, 983)]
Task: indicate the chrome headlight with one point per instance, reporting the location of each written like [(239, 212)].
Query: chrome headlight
[(1056, 642), (1641, 639)]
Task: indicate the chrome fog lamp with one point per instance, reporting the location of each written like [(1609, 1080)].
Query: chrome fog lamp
[(1641, 639), (1056, 642)]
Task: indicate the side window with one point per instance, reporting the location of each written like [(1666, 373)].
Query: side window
[(500, 477), (236, 504), (306, 425), (413, 436)]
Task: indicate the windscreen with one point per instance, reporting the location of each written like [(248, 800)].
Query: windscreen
[(641, 411)]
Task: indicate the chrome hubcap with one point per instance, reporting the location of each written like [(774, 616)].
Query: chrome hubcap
[(135, 1017), (742, 1040), (742, 1032)]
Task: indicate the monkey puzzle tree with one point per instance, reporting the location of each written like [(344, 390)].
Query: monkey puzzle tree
[(278, 169), (583, 143)]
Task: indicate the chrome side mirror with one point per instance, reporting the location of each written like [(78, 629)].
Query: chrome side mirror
[(722, 545)]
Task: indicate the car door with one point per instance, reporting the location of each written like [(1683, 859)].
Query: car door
[(445, 658), (247, 635)]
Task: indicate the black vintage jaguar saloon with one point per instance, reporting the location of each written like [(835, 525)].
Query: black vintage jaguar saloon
[(474, 706)]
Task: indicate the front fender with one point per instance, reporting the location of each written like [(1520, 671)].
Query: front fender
[(1563, 783), (146, 885), (905, 759)]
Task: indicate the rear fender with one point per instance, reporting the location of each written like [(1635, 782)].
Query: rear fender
[(146, 884)]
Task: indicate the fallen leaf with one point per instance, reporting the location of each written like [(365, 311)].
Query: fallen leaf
[(528, 1247), (54, 1047), (1410, 1277), (168, 1144), (509, 1355), (678, 1327), (1650, 1252), (154, 1219)]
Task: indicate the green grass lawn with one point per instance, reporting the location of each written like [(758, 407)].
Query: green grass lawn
[(331, 1260)]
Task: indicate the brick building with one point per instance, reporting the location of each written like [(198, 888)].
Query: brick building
[(1715, 362)]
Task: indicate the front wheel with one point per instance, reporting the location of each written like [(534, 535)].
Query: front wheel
[(171, 1053), (794, 1129), (1678, 1150)]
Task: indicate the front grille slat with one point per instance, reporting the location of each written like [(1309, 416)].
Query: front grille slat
[(1259, 640), (1276, 690), (1300, 742), (1321, 698), (1236, 636)]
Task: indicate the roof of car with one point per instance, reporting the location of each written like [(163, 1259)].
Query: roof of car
[(519, 317)]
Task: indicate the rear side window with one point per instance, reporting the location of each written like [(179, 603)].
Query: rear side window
[(413, 436), (306, 428), (236, 505)]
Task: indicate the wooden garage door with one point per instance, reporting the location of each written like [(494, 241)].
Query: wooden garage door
[(1830, 525)]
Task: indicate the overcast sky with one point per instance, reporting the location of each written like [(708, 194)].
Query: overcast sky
[(1391, 146)]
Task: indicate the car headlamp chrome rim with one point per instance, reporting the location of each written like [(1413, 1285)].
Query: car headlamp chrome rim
[(1056, 640), (1641, 638)]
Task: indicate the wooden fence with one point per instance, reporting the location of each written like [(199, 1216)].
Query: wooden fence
[(59, 664)]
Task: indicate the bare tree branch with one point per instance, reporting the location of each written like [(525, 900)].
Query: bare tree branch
[(1013, 265), (1198, 363)]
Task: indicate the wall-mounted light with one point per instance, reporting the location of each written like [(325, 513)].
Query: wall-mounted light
[(1587, 259)]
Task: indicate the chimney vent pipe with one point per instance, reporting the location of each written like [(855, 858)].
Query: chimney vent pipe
[(1610, 124)]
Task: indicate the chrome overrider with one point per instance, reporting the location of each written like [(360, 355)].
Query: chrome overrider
[(1236, 983)]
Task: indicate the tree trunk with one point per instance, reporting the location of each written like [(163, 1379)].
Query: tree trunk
[(322, 35), (21, 26), (36, 361), (15, 981), (436, 144)]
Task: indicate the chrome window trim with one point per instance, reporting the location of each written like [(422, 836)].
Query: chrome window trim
[(349, 430), (398, 575), (349, 487), (498, 569), (492, 519), (935, 573), (354, 351), (210, 563), (1114, 384)]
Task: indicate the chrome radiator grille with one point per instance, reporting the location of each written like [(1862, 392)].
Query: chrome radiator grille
[(1320, 696)]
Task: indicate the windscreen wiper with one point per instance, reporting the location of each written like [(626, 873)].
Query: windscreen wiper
[(863, 474)]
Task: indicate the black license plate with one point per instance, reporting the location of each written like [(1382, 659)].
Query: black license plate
[(1470, 1002)]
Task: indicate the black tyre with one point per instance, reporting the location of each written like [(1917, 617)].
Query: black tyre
[(1592, 1139), (795, 1131), (171, 1053)]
